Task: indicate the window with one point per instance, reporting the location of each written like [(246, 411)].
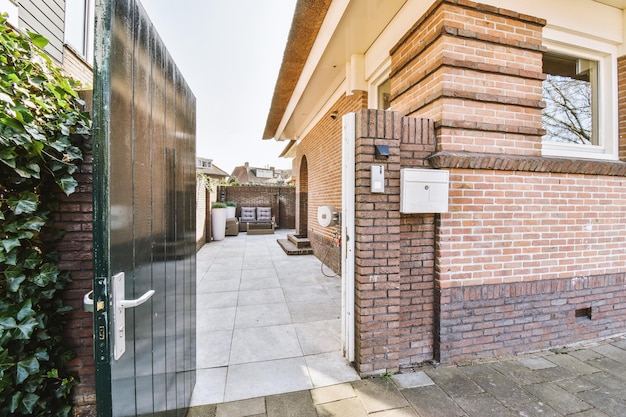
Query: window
[(580, 95), (569, 92), (79, 27), (384, 92)]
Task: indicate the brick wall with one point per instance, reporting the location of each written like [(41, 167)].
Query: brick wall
[(323, 151), (621, 92), (506, 318), (477, 71), (394, 256), (75, 216), (282, 200)]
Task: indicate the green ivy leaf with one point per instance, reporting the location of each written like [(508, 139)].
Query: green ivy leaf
[(15, 401), (25, 368), (25, 329), (47, 274), (29, 401), (37, 39), (9, 244), (68, 184), (26, 202), (14, 282)]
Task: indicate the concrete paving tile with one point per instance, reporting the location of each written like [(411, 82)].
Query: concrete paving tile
[(558, 398), (612, 352), (412, 380), (589, 413), (262, 315), (260, 296), (517, 372), (585, 354), (295, 404), (379, 394), (453, 382), (215, 319), (605, 402), (243, 408), (309, 293), (329, 369), (302, 313), (431, 401), (534, 409), (311, 341), (259, 283), (217, 300), (209, 387), (536, 363), (482, 405), (606, 382), (397, 412), (613, 367), (504, 389), (221, 286), (575, 385), (350, 407), (251, 380), (332, 393), (620, 344), (215, 349), (256, 344), (202, 411), (572, 363)]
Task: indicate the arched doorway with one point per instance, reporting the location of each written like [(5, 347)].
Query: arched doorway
[(303, 198)]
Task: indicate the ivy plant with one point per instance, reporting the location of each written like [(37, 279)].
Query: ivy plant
[(42, 131)]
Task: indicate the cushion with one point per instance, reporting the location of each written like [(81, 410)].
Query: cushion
[(264, 214), (248, 214)]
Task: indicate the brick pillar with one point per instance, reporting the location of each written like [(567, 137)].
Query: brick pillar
[(75, 217), (477, 71), (621, 109)]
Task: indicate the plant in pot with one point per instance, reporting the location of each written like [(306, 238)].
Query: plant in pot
[(218, 220), (231, 207)]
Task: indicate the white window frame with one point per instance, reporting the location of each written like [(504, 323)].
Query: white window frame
[(375, 81), (86, 49), (605, 54)]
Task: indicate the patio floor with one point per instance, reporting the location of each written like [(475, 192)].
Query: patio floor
[(267, 323)]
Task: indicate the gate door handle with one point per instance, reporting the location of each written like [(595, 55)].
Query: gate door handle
[(139, 301), (119, 313)]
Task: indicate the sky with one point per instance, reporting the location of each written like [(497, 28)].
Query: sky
[(229, 52)]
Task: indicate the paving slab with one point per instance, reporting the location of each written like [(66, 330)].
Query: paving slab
[(379, 394), (431, 401), (504, 389), (294, 404), (454, 382), (243, 408), (412, 380), (558, 398), (482, 405), (332, 393), (350, 407)]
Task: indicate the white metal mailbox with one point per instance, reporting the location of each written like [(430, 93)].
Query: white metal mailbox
[(423, 190)]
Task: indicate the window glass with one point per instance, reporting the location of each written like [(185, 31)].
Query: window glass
[(569, 92), (384, 92), (79, 26)]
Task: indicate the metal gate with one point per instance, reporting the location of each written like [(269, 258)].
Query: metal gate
[(144, 219)]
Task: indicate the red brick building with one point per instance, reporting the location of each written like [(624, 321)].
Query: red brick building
[(523, 106)]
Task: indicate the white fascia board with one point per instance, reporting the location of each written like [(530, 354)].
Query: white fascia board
[(325, 34)]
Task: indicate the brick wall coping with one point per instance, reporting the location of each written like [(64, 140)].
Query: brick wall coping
[(503, 162)]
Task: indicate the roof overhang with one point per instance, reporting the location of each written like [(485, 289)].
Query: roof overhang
[(620, 4), (324, 35)]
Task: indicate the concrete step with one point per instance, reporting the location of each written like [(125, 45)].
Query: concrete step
[(299, 241), (291, 249)]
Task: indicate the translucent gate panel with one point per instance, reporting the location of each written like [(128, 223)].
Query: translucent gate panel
[(144, 211)]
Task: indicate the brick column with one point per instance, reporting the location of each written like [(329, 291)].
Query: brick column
[(377, 245), (476, 70)]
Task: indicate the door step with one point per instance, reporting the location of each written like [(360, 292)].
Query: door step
[(296, 245)]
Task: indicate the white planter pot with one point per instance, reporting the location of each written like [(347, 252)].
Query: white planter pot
[(230, 212), (218, 223)]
